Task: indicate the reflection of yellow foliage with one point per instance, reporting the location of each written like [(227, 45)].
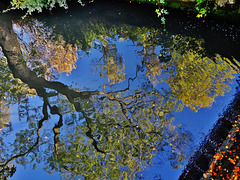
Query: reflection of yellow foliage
[(113, 65), (62, 56), (115, 74), (153, 70), (5, 114), (24, 89), (198, 80), (47, 53), (150, 59)]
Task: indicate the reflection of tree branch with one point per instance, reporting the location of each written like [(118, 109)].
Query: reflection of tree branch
[(20, 70), (37, 140), (56, 128), (89, 132)]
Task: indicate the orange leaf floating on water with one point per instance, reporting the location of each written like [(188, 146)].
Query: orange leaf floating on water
[(219, 168), (236, 169), (232, 161), (218, 156), (236, 173)]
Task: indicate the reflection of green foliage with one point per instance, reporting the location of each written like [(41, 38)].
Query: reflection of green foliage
[(7, 172), (129, 129), (127, 126), (197, 79), (128, 137), (85, 32), (11, 89), (111, 64), (8, 83)]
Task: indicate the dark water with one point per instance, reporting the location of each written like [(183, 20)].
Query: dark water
[(127, 97)]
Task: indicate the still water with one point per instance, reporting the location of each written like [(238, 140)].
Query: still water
[(107, 92)]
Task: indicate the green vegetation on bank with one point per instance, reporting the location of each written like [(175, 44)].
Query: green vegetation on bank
[(222, 8), (38, 5), (201, 7)]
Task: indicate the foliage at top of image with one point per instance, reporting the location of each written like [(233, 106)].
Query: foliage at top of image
[(201, 7), (38, 5)]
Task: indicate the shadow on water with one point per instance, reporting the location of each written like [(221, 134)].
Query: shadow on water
[(115, 130)]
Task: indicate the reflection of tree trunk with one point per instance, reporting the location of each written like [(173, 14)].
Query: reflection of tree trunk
[(12, 50), (40, 123)]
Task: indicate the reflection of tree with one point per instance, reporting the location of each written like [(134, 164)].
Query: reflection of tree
[(150, 57), (194, 78), (125, 131), (5, 115), (46, 54), (107, 135), (111, 63), (120, 132), (11, 91)]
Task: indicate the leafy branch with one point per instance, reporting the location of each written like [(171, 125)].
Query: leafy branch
[(202, 7), (161, 12)]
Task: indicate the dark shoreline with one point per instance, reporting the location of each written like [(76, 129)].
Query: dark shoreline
[(215, 141)]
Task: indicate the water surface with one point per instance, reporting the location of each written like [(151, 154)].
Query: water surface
[(124, 98)]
